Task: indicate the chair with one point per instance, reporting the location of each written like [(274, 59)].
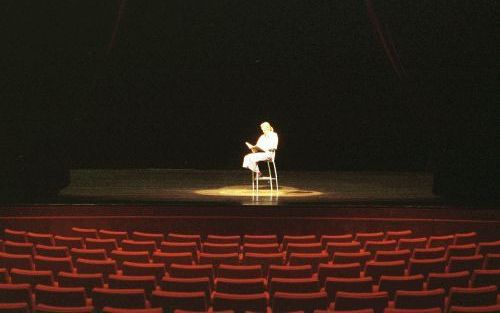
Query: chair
[(315, 247), (398, 234), (461, 250), (465, 238), (476, 296), (106, 244), (13, 247), (89, 254), (325, 239), (16, 293), (108, 309), (261, 248), (192, 271), (346, 247), (290, 271), (297, 239), (390, 268), (239, 271), (491, 262), (118, 298), (218, 258), (19, 276), (426, 266), (178, 284), (60, 296), (260, 239), (240, 302), (171, 258), (476, 309), (333, 285), (171, 300), (144, 269), (22, 261), (70, 242), (412, 243), (19, 307), (121, 256), (52, 251), (240, 285), (397, 255), (391, 284), (43, 308), (429, 253), (177, 247), (423, 299), (294, 285), (135, 245), (56, 265), (488, 247), (448, 280), (440, 241), (158, 238), (465, 263), (313, 259), (305, 302), (146, 283), (482, 278), (348, 270), (273, 174), (377, 301), (364, 237), (113, 234), (84, 232), (345, 257), (220, 248), (383, 245), (87, 281), (14, 235), (40, 239), (106, 267), (232, 239), (173, 237), (263, 259)]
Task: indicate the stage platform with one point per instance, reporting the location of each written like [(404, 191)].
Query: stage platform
[(222, 202)]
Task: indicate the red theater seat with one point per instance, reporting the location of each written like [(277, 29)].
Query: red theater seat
[(297, 239), (391, 284), (290, 271), (488, 247), (482, 278), (359, 257), (19, 276), (52, 251), (43, 308), (491, 262), (333, 285), (60, 296), (398, 234), (144, 269), (70, 242), (170, 300), (424, 299), (218, 258), (325, 239), (383, 245), (121, 256), (240, 285), (303, 248), (294, 285), (105, 267), (142, 236), (461, 250), (173, 258), (239, 271), (20, 307), (397, 255), (220, 248), (412, 243), (440, 241), (192, 271), (475, 309), (146, 283), (364, 237), (465, 263), (313, 259), (240, 302), (134, 245), (173, 237), (16, 293), (465, 238), (263, 259), (305, 302), (377, 301), (22, 261), (13, 247), (113, 234), (87, 281), (448, 280), (14, 235), (56, 265), (260, 239), (178, 247), (118, 298), (478, 296), (89, 254), (429, 253), (223, 239), (349, 247), (426, 266), (84, 232), (186, 284), (352, 270), (390, 268), (106, 244)]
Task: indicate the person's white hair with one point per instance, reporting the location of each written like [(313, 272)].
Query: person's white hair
[(266, 125)]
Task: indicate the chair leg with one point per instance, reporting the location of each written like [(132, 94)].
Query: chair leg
[(270, 176), (276, 175)]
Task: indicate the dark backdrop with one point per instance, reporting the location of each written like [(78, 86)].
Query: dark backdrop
[(183, 83)]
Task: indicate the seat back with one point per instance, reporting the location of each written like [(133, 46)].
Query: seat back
[(20, 276), (306, 302), (423, 299), (22, 261), (482, 278), (170, 300), (290, 271), (15, 293), (13, 247), (144, 269), (376, 269), (89, 254), (377, 301), (118, 298), (426, 266), (52, 251), (187, 285), (60, 296), (240, 302), (239, 271), (143, 236), (87, 281), (56, 265), (240, 285), (448, 280), (352, 270), (113, 234), (294, 285), (391, 284), (333, 285), (477, 296), (465, 263)]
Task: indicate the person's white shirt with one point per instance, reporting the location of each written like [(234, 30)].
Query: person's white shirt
[(268, 142)]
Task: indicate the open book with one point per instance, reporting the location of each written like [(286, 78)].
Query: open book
[(253, 148)]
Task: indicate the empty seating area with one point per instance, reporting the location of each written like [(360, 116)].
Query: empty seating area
[(101, 270)]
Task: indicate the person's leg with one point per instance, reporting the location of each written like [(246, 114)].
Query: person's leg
[(250, 161)]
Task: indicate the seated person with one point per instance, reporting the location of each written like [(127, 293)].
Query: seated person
[(262, 151)]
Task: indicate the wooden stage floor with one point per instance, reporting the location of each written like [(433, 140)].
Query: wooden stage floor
[(233, 187)]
